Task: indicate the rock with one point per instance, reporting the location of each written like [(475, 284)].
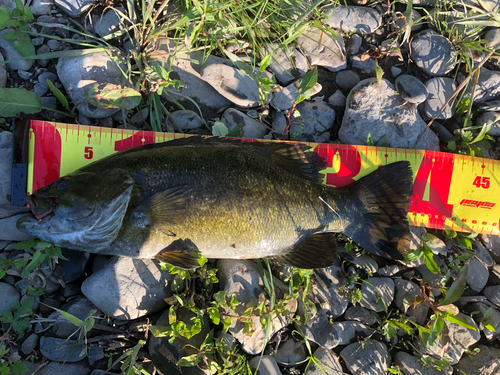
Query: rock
[(233, 84), (411, 89), (400, 24), (8, 295), (493, 319), (286, 97), (40, 89), (346, 79), (374, 288), (290, 353), (9, 231), (165, 355), (75, 265), (74, 8), (433, 53), (328, 361), (329, 53), (362, 20), (407, 290), (492, 38), (61, 350), (477, 276), (491, 368), (353, 44), (281, 64), (366, 66), (470, 364), (337, 99), (109, 22), (42, 50), (251, 128), (139, 117), (3, 73), (390, 270), (490, 106), (379, 110), (411, 365), (351, 331), (440, 89), (79, 307), (95, 353), (187, 120), (29, 344), (10, 53), (371, 358), (460, 337), (265, 365), (493, 294), (128, 288), (492, 119), (360, 314), (363, 261), (97, 68), (395, 71), (279, 123), (316, 117), (54, 45), (242, 278), (80, 368), (41, 7), (23, 74), (329, 305)]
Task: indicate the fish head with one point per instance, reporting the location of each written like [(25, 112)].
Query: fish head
[(82, 211)]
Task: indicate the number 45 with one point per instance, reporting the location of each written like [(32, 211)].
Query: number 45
[(483, 182)]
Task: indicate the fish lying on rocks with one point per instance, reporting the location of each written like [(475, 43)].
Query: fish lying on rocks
[(225, 199)]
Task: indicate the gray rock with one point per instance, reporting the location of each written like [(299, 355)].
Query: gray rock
[(233, 84), (395, 71), (460, 337), (400, 23), (242, 278), (95, 353), (75, 265), (74, 8), (407, 290), (492, 38), (390, 270), (41, 7), (371, 358), (80, 368), (140, 117), (286, 65), (40, 89), (61, 350), (353, 44), (98, 68), (9, 231), (492, 119), (411, 365), (337, 99), (315, 117), (128, 288), (491, 106), (49, 102), (351, 331), (411, 89), (492, 292), (42, 50), (290, 353), (328, 363), (433, 53), (361, 315), (379, 110), (109, 22), (265, 365), (29, 344), (10, 53), (279, 123), (374, 288), (79, 307), (362, 261), (330, 53), (8, 295), (362, 20), (346, 79), (365, 65), (187, 119), (491, 368), (3, 73), (471, 364), (477, 276), (251, 128), (286, 97), (42, 78), (440, 89), (23, 74), (54, 45)]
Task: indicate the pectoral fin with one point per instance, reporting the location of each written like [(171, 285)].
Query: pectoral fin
[(181, 253), (166, 206), (317, 250)]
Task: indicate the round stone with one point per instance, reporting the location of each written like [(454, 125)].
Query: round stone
[(411, 89)]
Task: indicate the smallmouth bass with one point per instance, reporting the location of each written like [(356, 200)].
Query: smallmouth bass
[(225, 199)]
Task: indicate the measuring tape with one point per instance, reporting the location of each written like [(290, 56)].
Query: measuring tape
[(450, 191)]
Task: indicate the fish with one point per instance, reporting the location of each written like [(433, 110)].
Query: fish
[(225, 199)]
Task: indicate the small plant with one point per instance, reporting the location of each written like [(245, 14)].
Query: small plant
[(19, 318), (18, 20), (10, 362)]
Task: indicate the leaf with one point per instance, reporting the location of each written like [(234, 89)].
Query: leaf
[(485, 129), (219, 129), (379, 73), (489, 326), (434, 243), (264, 63), (457, 288), (160, 331), (369, 140), (189, 361), (429, 260), (436, 330), (23, 44), (452, 145), (449, 308), (398, 324), (19, 368), (236, 132), (73, 319), (308, 81), (109, 95), (453, 319), (58, 94), (413, 255), (14, 101)]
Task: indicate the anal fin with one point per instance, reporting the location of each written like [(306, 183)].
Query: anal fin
[(317, 250), (181, 253)]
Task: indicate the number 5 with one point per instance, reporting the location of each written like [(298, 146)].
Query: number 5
[(89, 154)]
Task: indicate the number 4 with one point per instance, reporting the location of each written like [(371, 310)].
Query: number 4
[(483, 182)]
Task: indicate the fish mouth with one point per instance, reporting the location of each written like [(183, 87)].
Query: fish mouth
[(41, 207)]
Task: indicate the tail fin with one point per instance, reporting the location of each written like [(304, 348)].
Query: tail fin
[(381, 201)]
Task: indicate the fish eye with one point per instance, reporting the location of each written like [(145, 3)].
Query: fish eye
[(62, 185)]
